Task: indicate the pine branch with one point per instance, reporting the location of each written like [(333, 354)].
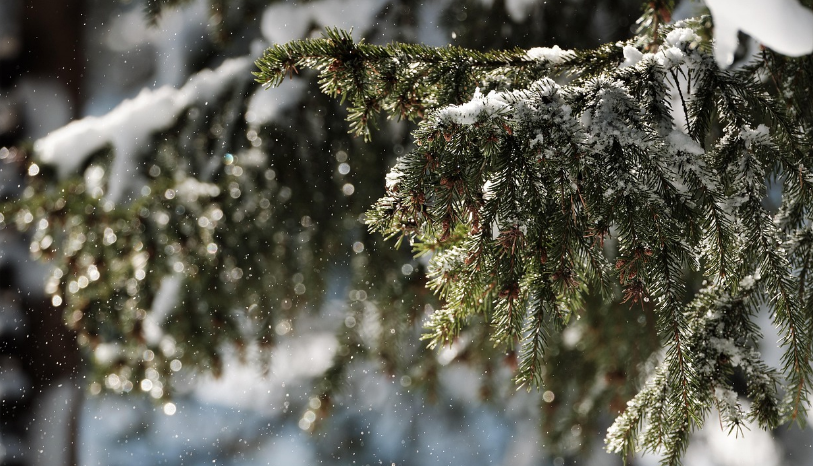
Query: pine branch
[(404, 80)]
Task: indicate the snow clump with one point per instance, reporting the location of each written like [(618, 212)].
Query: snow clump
[(782, 25), (554, 55), (631, 56), (466, 114), (127, 128)]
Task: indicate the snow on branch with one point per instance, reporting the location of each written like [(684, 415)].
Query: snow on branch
[(782, 25), (127, 128)]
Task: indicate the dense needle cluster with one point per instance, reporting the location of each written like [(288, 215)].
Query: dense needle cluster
[(541, 180)]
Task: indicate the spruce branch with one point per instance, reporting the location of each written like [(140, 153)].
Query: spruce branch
[(523, 167), (404, 80)]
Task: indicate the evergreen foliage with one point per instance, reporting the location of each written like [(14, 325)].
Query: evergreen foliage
[(213, 217), (594, 222), (517, 191)]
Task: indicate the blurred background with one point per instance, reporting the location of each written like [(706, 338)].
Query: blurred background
[(156, 366)]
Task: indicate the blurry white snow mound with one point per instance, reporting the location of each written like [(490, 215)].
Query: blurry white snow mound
[(713, 445), (785, 26), (265, 105), (682, 142), (68, 147), (127, 128), (755, 447), (246, 384), (284, 22), (165, 301), (518, 9)]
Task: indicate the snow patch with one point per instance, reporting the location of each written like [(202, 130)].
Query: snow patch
[(127, 128), (749, 281), (466, 114), (284, 22), (726, 396), (728, 348), (759, 135), (538, 140), (717, 446), (782, 25), (394, 176), (683, 143), (554, 55), (518, 9), (265, 105), (488, 190), (162, 305), (631, 56), (680, 36), (294, 361)]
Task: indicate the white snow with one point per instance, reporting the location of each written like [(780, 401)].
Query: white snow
[(687, 9), (760, 134), (748, 282), (727, 347), (265, 105), (245, 384), (726, 395), (679, 36), (394, 176), (127, 127), (538, 140), (554, 55), (782, 25), (488, 190), (162, 306), (631, 56), (605, 124), (715, 446), (518, 9), (678, 54), (683, 143), (173, 39), (670, 56), (284, 22), (466, 114)]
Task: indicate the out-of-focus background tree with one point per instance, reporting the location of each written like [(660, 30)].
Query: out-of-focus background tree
[(230, 306)]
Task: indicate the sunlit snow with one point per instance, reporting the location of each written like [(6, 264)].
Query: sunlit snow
[(782, 25), (128, 126)]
